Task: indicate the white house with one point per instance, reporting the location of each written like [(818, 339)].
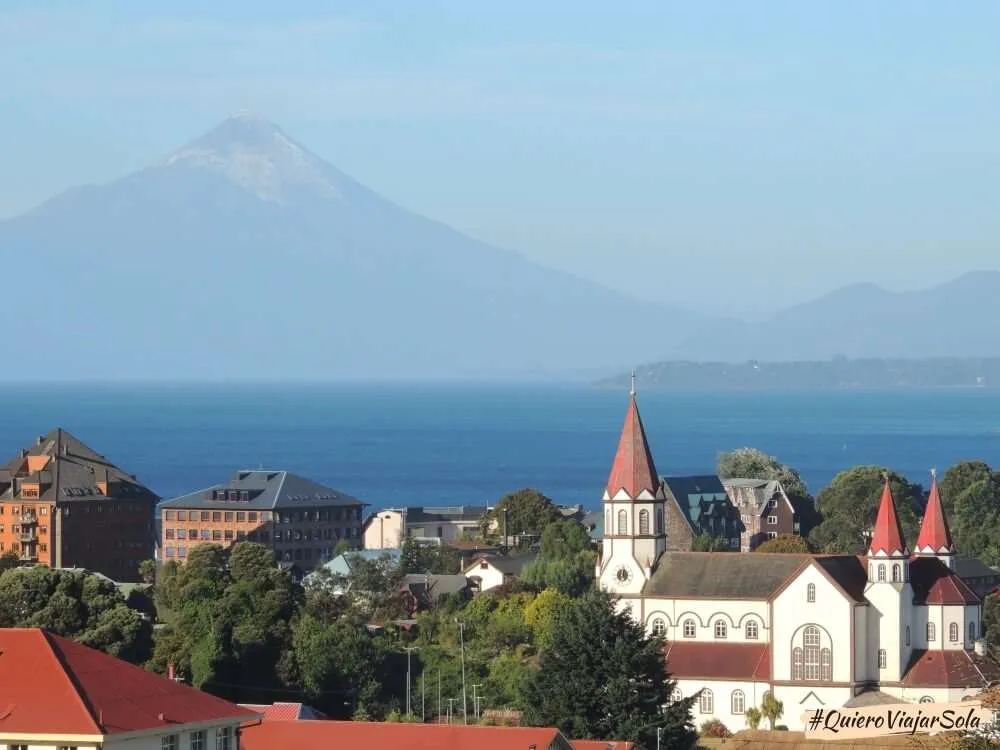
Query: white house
[(817, 630), (488, 571), (59, 694)]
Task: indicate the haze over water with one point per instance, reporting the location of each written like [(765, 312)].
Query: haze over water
[(444, 445)]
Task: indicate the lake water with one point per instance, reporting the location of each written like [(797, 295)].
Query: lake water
[(449, 445)]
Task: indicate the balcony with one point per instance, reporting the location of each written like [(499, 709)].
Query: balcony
[(27, 536), (28, 519)]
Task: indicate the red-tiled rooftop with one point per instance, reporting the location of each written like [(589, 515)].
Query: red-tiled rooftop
[(51, 685), (718, 661), (633, 469), (310, 735), (283, 711), (602, 745), (952, 669)]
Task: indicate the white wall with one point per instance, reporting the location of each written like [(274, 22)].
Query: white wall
[(798, 699), (489, 576), (705, 612), (384, 530), (722, 693), (153, 740)]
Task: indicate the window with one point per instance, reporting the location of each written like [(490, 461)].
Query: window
[(738, 702), (881, 572), (622, 522), (169, 742), (659, 627), (659, 520), (931, 632), (241, 517), (241, 536), (205, 515), (772, 535), (252, 516), (720, 628), (198, 740), (245, 495), (644, 522), (809, 661), (182, 515), (228, 535), (224, 739), (689, 628), (206, 534), (926, 699), (811, 593), (972, 631), (896, 578), (168, 534), (67, 747), (182, 551), (181, 533), (797, 673), (826, 664), (228, 515), (216, 535), (907, 635), (216, 516), (953, 632), (705, 702), (192, 533), (170, 551), (772, 520), (881, 658), (676, 695), (169, 515), (751, 630)]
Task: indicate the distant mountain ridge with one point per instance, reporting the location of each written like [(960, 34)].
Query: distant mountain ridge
[(954, 319), (242, 255)]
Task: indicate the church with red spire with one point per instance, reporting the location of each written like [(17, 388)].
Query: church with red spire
[(895, 625)]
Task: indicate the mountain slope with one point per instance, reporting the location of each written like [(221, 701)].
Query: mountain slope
[(243, 255), (954, 319)]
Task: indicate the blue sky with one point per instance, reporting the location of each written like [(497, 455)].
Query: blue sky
[(733, 156)]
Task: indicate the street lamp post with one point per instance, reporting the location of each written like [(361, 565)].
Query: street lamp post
[(409, 650), (475, 701), (659, 731), (465, 704)]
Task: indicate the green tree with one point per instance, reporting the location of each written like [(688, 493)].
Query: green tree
[(771, 708), (147, 571), (524, 512), (603, 678), (9, 560), (751, 463), (991, 623), (784, 543), (958, 479), (543, 612), (565, 560), (753, 717), (706, 542), (976, 520), (563, 540), (850, 503)]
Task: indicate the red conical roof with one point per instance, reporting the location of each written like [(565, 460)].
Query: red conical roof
[(934, 536), (888, 536), (633, 469)]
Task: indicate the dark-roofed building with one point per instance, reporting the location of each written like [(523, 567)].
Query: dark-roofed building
[(301, 520), (765, 511), (699, 505), (63, 504), (436, 525), (817, 631)]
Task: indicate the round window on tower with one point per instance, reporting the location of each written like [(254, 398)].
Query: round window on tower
[(624, 575)]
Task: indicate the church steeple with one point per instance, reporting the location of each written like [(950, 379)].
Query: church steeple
[(887, 538), (935, 536), (633, 469)]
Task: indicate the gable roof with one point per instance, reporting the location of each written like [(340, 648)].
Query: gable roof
[(284, 711), (887, 537), (935, 536), (309, 735), (51, 685), (721, 575), (848, 572), (757, 492), (510, 566), (633, 469), (952, 668), (718, 661), (934, 583), (267, 490), (72, 473)]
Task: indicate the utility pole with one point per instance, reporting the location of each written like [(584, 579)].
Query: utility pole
[(475, 701), (409, 650), (659, 731), (423, 696), (465, 704), (439, 695)]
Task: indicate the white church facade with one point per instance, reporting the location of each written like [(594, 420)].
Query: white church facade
[(819, 631)]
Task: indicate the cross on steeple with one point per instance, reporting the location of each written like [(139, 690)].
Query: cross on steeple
[(631, 390)]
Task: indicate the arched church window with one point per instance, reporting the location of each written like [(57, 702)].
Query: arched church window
[(895, 573), (953, 632), (676, 695), (689, 628), (931, 632), (659, 520), (706, 702), (622, 522), (881, 572), (926, 699), (881, 658), (811, 593), (751, 630), (644, 522), (972, 631), (826, 665), (607, 522), (659, 627), (907, 635), (738, 702), (720, 629), (797, 673)]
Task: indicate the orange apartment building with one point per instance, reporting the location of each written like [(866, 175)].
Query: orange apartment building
[(64, 505), (302, 521)]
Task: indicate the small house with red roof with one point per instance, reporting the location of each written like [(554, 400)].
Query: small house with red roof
[(55, 692), (897, 624)]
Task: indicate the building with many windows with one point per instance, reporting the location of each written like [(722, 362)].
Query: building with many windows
[(63, 504), (818, 631), (302, 521)]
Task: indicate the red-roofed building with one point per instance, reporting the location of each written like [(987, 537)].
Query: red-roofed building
[(815, 630), (284, 711), (602, 745), (314, 735), (58, 693)]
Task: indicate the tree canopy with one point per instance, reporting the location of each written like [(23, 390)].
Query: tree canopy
[(958, 479), (785, 543), (524, 512), (751, 463), (849, 505), (565, 560), (601, 677), (976, 520)]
